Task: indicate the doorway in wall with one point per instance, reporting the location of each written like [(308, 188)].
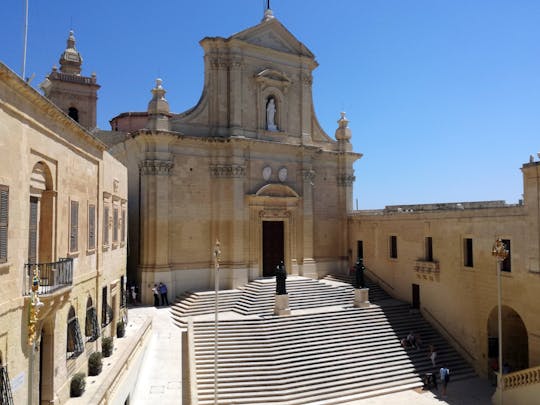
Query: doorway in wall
[(416, 296), (273, 246)]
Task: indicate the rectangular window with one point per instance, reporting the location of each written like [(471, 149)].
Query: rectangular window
[(106, 225), (123, 225), (507, 263), (91, 227), (115, 224), (104, 307), (429, 249), (468, 252), (74, 227), (359, 249), (393, 247), (4, 216)]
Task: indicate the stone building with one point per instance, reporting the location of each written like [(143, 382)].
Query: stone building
[(63, 204), (249, 166), (439, 258)]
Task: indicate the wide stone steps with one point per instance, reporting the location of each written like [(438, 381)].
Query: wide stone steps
[(325, 352)]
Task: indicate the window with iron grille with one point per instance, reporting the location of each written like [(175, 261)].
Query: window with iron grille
[(74, 227), (4, 216), (6, 397), (91, 227), (75, 344), (91, 327)]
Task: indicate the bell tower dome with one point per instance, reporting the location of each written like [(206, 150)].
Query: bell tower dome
[(75, 94)]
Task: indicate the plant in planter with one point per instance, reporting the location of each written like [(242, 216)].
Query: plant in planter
[(78, 384), (107, 345), (95, 364), (120, 329)]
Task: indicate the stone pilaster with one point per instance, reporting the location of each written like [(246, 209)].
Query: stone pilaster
[(308, 267), (154, 213)]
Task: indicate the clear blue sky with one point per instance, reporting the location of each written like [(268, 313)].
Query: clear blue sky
[(443, 97)]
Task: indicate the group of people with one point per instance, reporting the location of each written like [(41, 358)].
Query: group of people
[(160, 291), (414, 341)]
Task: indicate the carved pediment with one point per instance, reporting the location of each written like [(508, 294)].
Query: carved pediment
[(276, 190), (272, 34), (271, 77)]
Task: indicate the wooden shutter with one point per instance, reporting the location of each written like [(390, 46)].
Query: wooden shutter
[(32, 233), (106, 226), (115, 224), (74, 231), (91, 226), (4, 216), (123, 225)]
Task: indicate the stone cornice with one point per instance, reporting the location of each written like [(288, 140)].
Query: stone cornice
[(229, 170), (156, 167)]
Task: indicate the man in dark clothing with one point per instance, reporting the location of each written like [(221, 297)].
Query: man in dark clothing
[(163, 292)]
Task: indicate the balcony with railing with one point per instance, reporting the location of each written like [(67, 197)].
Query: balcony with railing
[(52, 276)]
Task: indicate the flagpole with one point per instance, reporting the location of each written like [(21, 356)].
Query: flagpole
[(25, 40)]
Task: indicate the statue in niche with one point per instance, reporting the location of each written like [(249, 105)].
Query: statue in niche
[(271, 114), (281, 276), (359, 274)]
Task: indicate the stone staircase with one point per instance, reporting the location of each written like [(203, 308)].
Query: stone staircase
[(325, 352)]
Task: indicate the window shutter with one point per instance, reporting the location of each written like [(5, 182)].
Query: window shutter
[(91, 226), (4, 215), (123, 225), (32, 236), (106, 226), (115, 224), (73, 237)]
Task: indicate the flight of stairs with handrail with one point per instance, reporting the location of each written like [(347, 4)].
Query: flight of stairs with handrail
[(325, 352)]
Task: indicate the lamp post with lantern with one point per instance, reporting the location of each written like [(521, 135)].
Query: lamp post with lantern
[(500, 252)]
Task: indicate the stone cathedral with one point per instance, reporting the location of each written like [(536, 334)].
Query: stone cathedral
[(249, 166)]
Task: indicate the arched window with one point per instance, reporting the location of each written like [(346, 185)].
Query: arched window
[(73, 113), (75, 344), (91, 327)]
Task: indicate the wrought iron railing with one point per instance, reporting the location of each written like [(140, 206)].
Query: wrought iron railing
[(52, 276), (6, 398)]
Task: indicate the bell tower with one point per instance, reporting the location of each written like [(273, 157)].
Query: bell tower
[(76, 95)]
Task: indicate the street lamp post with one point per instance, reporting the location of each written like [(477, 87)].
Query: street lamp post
[(500, 252), (217, 256), (33, 317)]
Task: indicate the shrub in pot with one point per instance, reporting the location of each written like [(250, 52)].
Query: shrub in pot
[(107, 345), (120, 329), (95, 364), (78, 384)]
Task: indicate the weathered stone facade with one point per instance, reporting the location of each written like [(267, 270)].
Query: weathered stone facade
[(443, 265), (57, 182), (248, 165)]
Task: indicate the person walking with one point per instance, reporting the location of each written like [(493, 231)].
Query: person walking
[(445, 378), (156, 295), (433, 355), (163, 292)]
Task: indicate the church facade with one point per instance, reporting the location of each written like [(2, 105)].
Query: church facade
[(249, 166)]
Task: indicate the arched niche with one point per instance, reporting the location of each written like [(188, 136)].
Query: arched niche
[(41, 215), (515, 339)]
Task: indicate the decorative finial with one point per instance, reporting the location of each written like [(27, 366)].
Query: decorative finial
[(343, 133), (268, 13), (71, 60)]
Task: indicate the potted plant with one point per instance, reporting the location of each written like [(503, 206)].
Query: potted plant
[(120, 329), (107, 345), (95, 364), (78, 384)]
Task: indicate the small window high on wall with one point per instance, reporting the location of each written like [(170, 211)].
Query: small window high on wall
[(393, 247), (468, 252), (73, 113)]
